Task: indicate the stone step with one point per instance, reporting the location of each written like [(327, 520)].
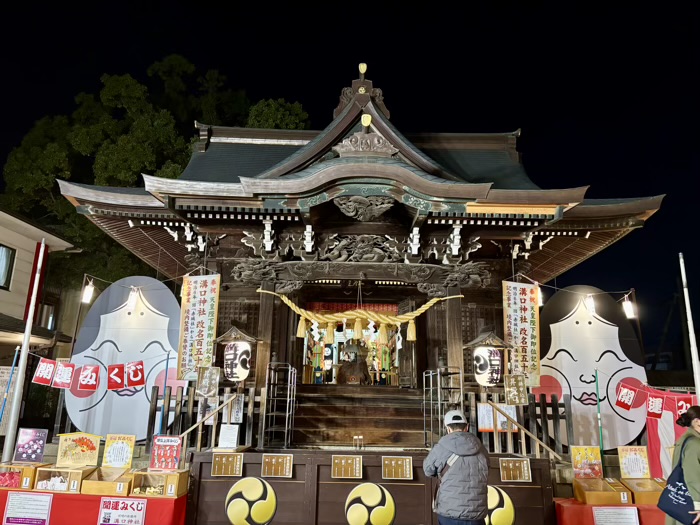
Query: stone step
[(374, 411)]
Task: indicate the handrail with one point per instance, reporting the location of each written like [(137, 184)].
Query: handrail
[(523, 429), (216, 410)]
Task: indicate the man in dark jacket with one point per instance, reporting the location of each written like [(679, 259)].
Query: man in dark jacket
[(463, 490)]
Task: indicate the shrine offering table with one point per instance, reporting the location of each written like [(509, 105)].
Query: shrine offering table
[(573, 512), (84, 509)]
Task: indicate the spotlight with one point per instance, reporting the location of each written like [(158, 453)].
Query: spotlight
[(88, 291), (628, 308)]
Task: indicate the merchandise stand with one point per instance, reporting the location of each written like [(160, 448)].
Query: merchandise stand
[(573, 512), (84, 509)]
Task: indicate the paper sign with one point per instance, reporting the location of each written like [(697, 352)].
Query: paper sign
[(634, 462), (234, 409), (655, 406), (485, 417), (63, 378), (89, 377), (277, 465), (397, 467), (586, 462), (44, 372), (228, 436), (116, 377), (119, 450), (346, 467), (27, 508), (30, 445), (78, 449), (227, 464), (615, 515), (165, 452), (625, 396), (135, 375), (122, 510), (515, 469)]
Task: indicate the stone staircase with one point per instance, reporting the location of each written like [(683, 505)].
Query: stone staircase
[(332, 415)]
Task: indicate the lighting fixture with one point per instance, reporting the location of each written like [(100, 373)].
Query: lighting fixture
[(628, 308), (590, 303), (133, 297), (88, 291)]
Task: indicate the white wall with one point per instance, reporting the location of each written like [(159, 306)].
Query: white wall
[(12, 302)]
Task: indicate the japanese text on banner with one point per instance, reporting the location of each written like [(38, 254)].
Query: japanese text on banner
[(198, 319), (521, 322)]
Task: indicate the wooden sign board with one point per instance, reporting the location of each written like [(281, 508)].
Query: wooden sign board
[(515, 389), (346, 467), (515, 469), (397, 467), (277, 465), (227, 464)]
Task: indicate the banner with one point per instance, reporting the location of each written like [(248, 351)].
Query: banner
[(521, 322), (199, 315)]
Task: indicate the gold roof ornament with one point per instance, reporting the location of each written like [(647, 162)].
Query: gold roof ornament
[(366, 121), (363, 70)]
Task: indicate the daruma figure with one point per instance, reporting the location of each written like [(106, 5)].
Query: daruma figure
[(118, 330), (576, 341)]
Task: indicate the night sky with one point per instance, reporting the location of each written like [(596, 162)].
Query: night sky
[(606, 98)]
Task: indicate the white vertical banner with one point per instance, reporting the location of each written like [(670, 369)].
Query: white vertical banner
[(521, 324), (199, 316)]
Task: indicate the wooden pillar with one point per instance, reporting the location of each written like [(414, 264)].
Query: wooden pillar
[(455, 353), (265, 323)]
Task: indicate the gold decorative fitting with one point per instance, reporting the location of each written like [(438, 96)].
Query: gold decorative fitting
[(361, 90), (366, 120), (363, 68)]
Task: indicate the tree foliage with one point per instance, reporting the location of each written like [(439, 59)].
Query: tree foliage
[(112, 137), (278, 114)]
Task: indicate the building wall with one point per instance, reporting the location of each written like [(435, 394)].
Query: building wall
[(12, 302)]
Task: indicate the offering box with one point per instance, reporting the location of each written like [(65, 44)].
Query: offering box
[(61, 479), (645, 491), (18, 476), (108, 481), (606, 491), (160, 484)]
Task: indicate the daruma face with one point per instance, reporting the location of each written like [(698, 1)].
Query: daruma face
[(581, 344), (114, 333)]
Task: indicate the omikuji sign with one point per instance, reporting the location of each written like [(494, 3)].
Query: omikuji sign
[(521, 322), (199, 313)]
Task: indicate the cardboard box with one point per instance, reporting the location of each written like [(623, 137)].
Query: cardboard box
[(160, 484), (644, 491), (107, 481), (606, 491), (18, 476), (61, 479)]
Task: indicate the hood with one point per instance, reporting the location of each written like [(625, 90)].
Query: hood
[(461, 443)]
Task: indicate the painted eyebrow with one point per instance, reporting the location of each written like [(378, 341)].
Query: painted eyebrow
[(610, 352), (565, 351)]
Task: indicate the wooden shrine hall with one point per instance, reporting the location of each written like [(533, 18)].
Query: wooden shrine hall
[(359, 215)]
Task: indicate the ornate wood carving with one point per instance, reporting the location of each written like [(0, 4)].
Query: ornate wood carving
[(364, 208), (365, 145), (361, 248)]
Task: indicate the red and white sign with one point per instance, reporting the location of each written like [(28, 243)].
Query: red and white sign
[(89, 376), (683, 403), (135, 375), (122, 510), (63, 377), (655, 406), (116, 377), (625, 396), (44, 372)]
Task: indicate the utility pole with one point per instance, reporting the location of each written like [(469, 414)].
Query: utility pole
[(12, 423), (691, 328)]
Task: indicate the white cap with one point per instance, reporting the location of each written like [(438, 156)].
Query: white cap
[(455, 416)]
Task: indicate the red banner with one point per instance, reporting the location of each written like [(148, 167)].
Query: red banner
[(655, 406), (683, 403), (625, 396), (134, 374), (63, 376), (89, 377), (44, 372), (116, 377)]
